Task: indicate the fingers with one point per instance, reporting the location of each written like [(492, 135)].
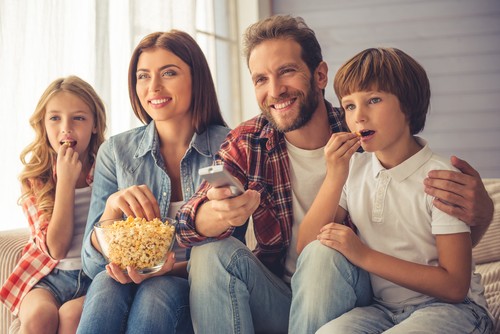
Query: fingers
[(138, 278), (464, 167), (236, 211), (137, 201), (117, 274), (342, 144)]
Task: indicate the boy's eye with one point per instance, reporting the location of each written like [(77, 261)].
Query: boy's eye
[(349, 107), (375, 100)]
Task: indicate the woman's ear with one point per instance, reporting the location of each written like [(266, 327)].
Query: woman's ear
[(321, 75)]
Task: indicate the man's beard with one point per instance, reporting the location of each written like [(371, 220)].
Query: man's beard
[(307, 107)]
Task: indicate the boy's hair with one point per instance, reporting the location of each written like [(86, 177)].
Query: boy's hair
[(389, 70), (204, 104), (39, 157), (284, 27)]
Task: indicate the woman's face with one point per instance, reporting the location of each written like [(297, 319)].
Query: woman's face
[(164, 85)]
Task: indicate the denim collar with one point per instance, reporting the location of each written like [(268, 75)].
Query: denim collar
[(150, 142)]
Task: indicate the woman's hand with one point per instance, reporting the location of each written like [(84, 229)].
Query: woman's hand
[(135, 201), (134, 276)]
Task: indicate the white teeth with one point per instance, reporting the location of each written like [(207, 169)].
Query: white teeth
[(283, 105), (159, 101)]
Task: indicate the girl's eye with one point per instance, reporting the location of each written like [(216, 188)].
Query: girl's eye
[(79, 118), (375, 100), (54, 118)]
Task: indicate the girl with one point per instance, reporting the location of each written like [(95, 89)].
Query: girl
[(149, 172), (47, 288)]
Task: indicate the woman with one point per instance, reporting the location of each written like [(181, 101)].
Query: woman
[(150, 172)]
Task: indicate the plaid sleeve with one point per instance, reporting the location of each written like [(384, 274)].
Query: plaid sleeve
[(38, 226)]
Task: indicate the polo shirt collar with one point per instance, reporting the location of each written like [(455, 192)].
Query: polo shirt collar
[(407, 167)]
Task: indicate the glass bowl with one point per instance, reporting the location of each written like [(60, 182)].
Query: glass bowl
[(136, 242)]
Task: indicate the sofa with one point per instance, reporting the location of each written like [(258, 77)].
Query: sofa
[(486, 256)]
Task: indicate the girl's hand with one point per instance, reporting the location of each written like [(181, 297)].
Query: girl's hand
[(134, 276), (68, 166), (338, 151), (343, 239), (136, 201)]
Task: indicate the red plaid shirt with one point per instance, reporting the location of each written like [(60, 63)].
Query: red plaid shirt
[(256, 154), (35, 262)]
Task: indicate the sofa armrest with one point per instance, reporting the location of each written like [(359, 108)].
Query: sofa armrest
[(12, 243)]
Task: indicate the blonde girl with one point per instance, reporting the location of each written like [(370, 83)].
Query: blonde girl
[(47, 288)]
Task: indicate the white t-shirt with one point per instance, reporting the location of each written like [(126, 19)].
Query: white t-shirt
[(180, 253), (395, 216), (73, 259), (307, 172)]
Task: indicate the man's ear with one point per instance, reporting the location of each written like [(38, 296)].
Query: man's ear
[(321, 75)]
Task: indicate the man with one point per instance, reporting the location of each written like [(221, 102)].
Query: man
[(279, 158)]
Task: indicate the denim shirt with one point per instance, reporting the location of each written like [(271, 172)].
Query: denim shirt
[(133, 158)]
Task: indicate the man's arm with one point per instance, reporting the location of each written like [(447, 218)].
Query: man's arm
[(462, 195)]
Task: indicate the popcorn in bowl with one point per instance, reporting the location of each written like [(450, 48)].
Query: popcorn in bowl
[(136, 242)]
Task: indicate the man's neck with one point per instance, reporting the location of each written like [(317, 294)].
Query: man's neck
[(315, 133)]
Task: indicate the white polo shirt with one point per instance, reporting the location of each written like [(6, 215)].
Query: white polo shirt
[(395, 216)]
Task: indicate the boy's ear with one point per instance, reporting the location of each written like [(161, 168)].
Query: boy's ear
[(321, 75)]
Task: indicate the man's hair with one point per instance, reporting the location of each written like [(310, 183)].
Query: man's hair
[(284, 27), (204, 104), (392, 71)]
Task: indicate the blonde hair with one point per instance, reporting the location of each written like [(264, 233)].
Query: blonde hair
[(38, 158)]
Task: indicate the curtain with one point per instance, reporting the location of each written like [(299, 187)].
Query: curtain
[(41, 40)]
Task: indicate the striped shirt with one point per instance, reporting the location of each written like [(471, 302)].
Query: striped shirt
[(256, 154), (35, 262)]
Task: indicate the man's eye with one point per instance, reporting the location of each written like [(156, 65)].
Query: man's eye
[(259, 81)]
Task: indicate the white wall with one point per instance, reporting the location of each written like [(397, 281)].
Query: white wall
[(457, 42)]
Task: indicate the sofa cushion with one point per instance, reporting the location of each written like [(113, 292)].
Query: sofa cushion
[(490, 278), (488, 249)]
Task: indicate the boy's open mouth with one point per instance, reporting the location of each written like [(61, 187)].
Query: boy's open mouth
[(364, 133)]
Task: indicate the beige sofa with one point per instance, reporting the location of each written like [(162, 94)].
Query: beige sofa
[(486, 255)]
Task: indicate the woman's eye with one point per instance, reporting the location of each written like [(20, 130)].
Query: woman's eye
[(168, 73), (141, 76)]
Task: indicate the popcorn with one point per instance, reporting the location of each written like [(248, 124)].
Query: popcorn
[(136, 242)]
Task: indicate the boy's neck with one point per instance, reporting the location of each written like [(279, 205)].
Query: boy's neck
[(397, 155)]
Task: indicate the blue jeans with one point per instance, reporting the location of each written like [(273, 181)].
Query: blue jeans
[(325, 285), (65, 285), (231, 291), (430, 317), (157, 305)]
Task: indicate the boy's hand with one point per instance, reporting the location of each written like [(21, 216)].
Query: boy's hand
[(343, 239), (338, 151)]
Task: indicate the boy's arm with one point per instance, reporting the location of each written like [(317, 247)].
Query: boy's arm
[(463, 196), (449, 281)]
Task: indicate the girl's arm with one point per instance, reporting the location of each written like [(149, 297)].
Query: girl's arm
[(449, 281), (60, 228), (338, 152)]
